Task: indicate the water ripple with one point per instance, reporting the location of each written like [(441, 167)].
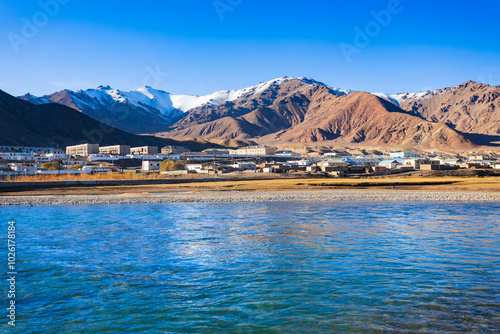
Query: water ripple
[(359, 267)]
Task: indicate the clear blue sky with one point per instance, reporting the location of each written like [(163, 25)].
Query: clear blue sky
[(197, 47)]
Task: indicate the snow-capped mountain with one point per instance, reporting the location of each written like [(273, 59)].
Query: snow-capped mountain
[(149, 110), (145, 110), (296, 109), (189, 102)]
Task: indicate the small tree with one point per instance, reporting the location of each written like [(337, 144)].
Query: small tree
[(52, 165), (170, 165)]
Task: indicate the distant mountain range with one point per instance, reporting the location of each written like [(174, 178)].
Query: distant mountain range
[(145, 110), (300, 110)]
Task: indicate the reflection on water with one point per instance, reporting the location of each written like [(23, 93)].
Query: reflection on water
[(258, 267)]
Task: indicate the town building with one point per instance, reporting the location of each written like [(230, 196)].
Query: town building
[(452, 161), (391, 163), (173, 149), (243, 165), (301, 162), (83, 149), (151, 165), (24, 167), (403, 154), (254, 150), (144, 150), (57, 156), (274, 167), (194, 168), (115, 149), (476, 157), (217, 151), (72, 162), (17, 156)]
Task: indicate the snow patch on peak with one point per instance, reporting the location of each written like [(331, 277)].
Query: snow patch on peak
[(145, 90), (116, 95), (388, 97), (104, 88), (398, 99)]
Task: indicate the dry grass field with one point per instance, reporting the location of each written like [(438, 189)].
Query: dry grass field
[(414, 183)]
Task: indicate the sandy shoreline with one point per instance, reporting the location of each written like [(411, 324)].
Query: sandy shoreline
[(259, 196)]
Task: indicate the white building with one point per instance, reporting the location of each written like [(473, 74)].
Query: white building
[(403, 154), (83, 149), (194, 167), (244, 165), (476, 157), (115, 149), (390, 164), (452, 161), (151, 165), (302, 162), (58, 156), (254, 150), (24, 167)]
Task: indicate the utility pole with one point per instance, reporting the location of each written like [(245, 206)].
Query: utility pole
[(58, 166), (215, 161), (123, 157)]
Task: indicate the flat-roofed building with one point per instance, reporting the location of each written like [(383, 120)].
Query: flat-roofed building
[(254, 150), (476, 157), (151, 165), (83, 149), (403, 154), (144, 150), (115, 149)]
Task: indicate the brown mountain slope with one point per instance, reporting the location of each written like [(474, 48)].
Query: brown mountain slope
[(277, 108), (471, 108), (297, 111), (364, 118), (251, 107)]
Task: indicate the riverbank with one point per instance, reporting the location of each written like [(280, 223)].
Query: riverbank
[(246, 196)]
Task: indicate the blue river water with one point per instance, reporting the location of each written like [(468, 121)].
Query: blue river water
[(360, 267)]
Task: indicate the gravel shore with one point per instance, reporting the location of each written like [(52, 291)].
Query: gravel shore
[(264, 196)]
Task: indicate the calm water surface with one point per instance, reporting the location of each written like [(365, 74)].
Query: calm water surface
[(257, 268)]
